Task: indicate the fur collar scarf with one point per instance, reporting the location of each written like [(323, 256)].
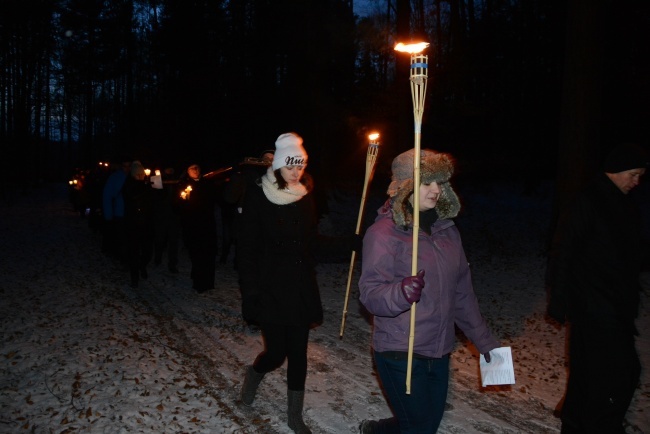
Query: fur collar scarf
[(281, 197)]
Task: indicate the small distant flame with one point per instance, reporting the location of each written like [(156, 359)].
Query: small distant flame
[(373, 136), (157, 172), (414, 48), (147, 172)]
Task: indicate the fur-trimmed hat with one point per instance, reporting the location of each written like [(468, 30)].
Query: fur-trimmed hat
[(434, 167), (289, 151)]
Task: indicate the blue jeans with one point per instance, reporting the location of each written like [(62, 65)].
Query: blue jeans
[(421, 411)]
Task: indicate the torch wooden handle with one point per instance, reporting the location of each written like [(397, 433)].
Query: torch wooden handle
[(370, 165)]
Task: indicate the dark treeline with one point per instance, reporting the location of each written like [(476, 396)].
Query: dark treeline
[(166, 81)]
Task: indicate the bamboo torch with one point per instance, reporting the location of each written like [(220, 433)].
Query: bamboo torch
[(371, 158), (418, 78)]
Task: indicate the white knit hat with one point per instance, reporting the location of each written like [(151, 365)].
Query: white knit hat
[(289, 151)]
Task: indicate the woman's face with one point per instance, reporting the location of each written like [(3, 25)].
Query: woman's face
[(292, 174), (194, 171), (429, 194)]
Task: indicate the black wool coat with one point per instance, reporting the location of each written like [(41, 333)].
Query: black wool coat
[(596, 259), (276, 262)]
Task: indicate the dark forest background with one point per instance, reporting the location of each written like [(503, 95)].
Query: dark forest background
[(527, 89)]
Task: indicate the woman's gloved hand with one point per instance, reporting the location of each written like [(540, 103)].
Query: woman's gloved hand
[(488, 357), (412, 287)]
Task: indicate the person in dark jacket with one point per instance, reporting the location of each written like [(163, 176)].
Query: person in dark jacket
[(198, 198), (167, 222), (442, 290), (277, 272), (138, 222), (113, 242), (234, 191), (594, 268)]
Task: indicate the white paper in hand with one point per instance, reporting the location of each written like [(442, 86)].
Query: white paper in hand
[(500, 369), (156, 182)]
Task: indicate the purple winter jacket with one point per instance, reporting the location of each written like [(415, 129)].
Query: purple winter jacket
[(447, 298)]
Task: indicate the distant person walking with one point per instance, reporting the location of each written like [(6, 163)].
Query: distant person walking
[(113, 210), (594, 269), (167, 221), (197, 199), (250, 170), (138, 221)]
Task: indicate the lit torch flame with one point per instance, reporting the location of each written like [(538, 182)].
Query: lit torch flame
[(185, 194), (414, 48)]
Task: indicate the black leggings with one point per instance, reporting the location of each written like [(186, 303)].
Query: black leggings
[(282, 342)]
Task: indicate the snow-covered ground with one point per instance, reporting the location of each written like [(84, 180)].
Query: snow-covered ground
[(83, 352)]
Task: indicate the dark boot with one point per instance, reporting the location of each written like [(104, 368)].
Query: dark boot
[(382, 425), (249, 388), (295, 422), (367, 426)]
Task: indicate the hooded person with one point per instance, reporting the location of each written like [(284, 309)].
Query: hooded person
[(594, 267), (442, 290), (276, 271)]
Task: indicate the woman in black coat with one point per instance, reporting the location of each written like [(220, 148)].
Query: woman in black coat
[(138, 222), (277, 271)]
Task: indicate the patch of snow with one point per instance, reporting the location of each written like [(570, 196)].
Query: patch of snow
[(82, 351)]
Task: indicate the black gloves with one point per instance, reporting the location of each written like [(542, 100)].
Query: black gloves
[(412, 287), (488, 357)]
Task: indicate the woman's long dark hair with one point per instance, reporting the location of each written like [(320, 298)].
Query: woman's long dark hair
[(305, 180)]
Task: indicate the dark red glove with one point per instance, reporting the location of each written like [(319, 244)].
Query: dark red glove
[(412, 287)]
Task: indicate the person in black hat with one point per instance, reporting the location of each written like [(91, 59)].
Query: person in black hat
[(594, 268)]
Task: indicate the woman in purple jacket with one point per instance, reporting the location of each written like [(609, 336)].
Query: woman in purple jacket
[(442, 289)]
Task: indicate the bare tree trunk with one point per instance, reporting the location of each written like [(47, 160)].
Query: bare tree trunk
[(471, 18), (579, 137)]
